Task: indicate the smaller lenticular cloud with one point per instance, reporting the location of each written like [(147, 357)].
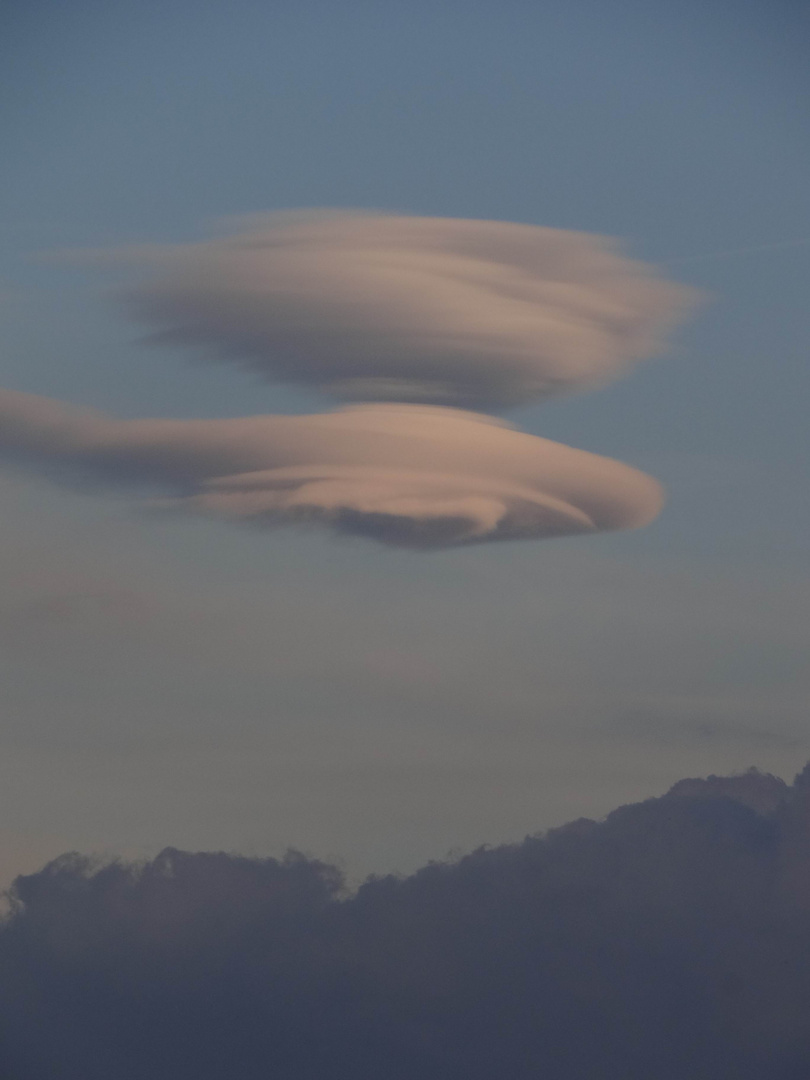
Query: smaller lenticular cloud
[(374, 307), (406, 475)]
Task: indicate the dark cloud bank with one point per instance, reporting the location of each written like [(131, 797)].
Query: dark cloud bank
[(670, 941)]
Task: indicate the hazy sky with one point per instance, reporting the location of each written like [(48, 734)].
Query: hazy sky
[(175, 680)]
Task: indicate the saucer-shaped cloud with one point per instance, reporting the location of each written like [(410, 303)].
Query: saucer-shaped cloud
[(371, 307), (407, 475)]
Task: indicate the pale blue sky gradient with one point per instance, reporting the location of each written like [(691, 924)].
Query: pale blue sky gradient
[(182, 682)]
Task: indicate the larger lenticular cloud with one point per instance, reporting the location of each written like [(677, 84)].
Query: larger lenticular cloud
[(373, 307), (406, 475)]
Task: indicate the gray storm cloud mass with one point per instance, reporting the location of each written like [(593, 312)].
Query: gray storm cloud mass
[(407, 475), (374, 307)]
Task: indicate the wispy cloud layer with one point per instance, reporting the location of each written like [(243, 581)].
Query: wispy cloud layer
[(374, 307), (412, 476)]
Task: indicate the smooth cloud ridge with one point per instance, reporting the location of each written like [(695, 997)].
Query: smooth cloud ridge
[(407, 475), (376, 307)]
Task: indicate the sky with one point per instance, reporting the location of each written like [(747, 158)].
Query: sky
[(170, 679)]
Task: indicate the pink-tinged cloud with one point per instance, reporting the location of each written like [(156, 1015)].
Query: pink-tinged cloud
[(373, 307), (406, 475)]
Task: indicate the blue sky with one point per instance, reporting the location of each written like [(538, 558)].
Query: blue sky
[(188, 683)]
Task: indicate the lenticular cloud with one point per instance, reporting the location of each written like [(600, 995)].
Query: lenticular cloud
[(406, 475), (373, 307), (423, 317)]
